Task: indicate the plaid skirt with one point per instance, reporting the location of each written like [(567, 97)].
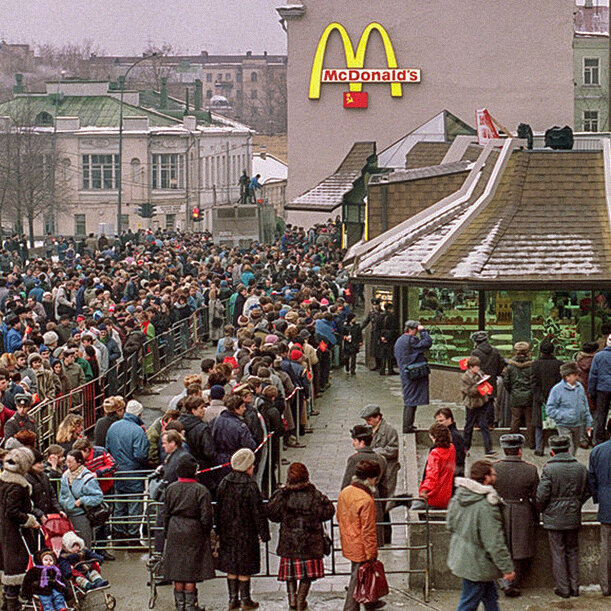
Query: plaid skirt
[(295, 569)]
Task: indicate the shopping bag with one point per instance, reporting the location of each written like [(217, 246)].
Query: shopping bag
[(371, 584), (548, 423)]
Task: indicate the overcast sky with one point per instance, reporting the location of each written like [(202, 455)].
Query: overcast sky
[(125, 26)]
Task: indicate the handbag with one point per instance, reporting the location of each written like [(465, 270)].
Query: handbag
[(327, 544), (415, 371), (99, 514), (371, 584), (217, 323)]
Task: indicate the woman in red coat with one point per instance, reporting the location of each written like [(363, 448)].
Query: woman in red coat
[(436, 487)]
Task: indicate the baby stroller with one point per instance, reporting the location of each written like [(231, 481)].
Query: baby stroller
[(78, 599)]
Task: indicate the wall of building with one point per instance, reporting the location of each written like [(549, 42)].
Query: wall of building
[(470, 55), (591, 98)]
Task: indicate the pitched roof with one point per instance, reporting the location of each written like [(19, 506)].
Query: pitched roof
[(425, 154), (92, 111), (423, 172), (329, 193), (531, 218)]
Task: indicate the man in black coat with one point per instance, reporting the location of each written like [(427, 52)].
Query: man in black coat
[(389, 331), (44, 495), (492, 364), (238, 306), (374, 317), (362, 437)]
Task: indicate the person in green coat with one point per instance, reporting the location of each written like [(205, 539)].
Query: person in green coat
[(478, 552)]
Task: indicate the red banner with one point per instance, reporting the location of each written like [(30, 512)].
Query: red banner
[(355, 99)]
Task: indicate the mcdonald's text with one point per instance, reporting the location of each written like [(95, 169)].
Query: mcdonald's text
[(367, 75)]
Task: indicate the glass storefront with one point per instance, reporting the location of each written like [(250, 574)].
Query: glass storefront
[(451, 316)]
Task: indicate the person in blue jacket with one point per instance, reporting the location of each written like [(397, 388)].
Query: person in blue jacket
[(410, 349), (599, 478), (599, 389), (14, 337), (128, 444)]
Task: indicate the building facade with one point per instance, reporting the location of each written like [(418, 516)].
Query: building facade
[(491, 66)]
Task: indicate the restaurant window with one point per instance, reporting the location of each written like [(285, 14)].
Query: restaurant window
[(590, 120), (100, 171), (168, 171), (591, 71)]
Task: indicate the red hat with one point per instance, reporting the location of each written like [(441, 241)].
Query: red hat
[(296, 355)]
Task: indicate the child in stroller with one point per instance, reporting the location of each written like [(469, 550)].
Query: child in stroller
[(44, 580), (79, 563)]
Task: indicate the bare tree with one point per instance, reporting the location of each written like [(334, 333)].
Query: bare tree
[(267, 112), (152, 71)]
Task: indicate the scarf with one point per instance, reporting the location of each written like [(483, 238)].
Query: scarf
[(72, 475), (44, 578)]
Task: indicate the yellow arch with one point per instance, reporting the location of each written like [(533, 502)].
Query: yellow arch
[(352, 60)]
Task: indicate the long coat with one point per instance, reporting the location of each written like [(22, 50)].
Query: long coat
[(301, 509), (516, 483), (415, 392), (545, 374), (187, 522), (386, 443), (240, 521), (15, 513)]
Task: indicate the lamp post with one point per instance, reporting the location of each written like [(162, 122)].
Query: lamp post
[(120, 182)]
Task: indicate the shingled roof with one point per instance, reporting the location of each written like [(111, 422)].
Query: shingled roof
[(328, 194), (521, 219)]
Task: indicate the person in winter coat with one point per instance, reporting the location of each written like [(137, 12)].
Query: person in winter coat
[(353, 340), (44, 378), (492, 364), (114, 408), (568, 406), (409, 349), (79, 490), (16, 518), (373, 346), (187, 522), (561, 493), (362, 437), (356, 516), (584, 362), (599, 479), (45, 580), (241, 522), (154, 432), (516, 483), (517, 384), (436, 486), (599, 388), (216, 315), (545, 374), (44, 495), (478, 552), (389, 331), (301, 510), (21, 420), (475, 403), (445, 416)]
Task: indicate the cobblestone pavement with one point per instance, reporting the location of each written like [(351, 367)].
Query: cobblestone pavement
[(325, 455)]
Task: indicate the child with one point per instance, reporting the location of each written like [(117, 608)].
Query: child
[(353, 340), (54, 465), (81, 563), (474, 402), (44, 580)]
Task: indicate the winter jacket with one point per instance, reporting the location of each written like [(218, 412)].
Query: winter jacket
[(45, 383), (127, 442), (584, 362), (545, 373), (13, 341), (356, 516), (459, 445), (301, 509), (562, 490), (355, 335), (385, 442), (19, 423), (101, 428), (44, 495), (471, 397), (410, 349), (85, 487), (199, 439), (439, 476), (5, 415), (230, 433), (366, 453), (600, 372), (103, 465), (599, 478), (492, 363), (32, 582), (478, 551), (517, 381), (75, 374), (568, 406)]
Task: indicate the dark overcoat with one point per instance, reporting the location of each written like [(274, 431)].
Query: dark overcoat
[(545, 374), (516, 483), (410, 349), (301, 509), (187, 522), (240, 521)]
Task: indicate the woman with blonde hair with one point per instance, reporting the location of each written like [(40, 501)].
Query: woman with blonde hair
[(68, 431)]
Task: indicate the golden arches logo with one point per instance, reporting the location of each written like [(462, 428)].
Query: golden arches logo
[(355, 61)]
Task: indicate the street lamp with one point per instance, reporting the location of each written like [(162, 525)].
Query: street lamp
[(120, 190)]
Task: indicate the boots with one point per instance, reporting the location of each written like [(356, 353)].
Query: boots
[(234, 600), (191, 601), (291, 588), (13, 604), (247, 602), (179, 600), (302, 594)]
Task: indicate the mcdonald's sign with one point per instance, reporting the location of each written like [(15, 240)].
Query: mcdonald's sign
[(354, 75)]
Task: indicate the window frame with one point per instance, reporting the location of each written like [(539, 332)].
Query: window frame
[(591, 121), (100, 171), (589, 71), (165, 168)]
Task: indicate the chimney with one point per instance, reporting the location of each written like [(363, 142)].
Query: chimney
[(189, 122), (197, 101), (263, 152), (264, 53), (18, 87), (163, 94)]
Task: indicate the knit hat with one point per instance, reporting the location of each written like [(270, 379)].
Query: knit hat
[(50, 338), (479, 336), (521, 347), (186, 466), (134, 407), (296, 355), (568, 368), (217, 392), (34, 357), (69, 539), (271, 339), (19, 460), (242, 460)]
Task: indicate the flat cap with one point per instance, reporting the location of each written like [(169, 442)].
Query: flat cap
[(369, 411), (512, 440), (412, 324), (360, 431), (560, 443)]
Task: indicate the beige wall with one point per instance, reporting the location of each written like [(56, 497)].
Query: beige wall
[(514, 58)]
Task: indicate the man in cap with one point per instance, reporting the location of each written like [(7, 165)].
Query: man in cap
[(516, 482), (21, 420), (491, 363), (561, 492), (385, 443), (409, 350)]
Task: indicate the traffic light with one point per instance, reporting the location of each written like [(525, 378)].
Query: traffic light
[(195, 214), (145, 211)]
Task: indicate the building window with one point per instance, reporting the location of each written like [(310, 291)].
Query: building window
[(590, 120), (100, 171), (238, 77), (238, 94), (253, 94), (219, 77), (209, 93), (168, 170), (591, 71), (253, 77), (209, 77), (227, 76), (124, 221), (80, 226), (170, 222)]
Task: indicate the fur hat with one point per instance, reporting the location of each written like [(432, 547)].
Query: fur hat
[(568, 368), (69, 539), (242, 460), (521, 347), (50, 338), (19, 460)]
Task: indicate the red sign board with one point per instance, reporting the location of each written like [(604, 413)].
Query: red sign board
[(355, 99)]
